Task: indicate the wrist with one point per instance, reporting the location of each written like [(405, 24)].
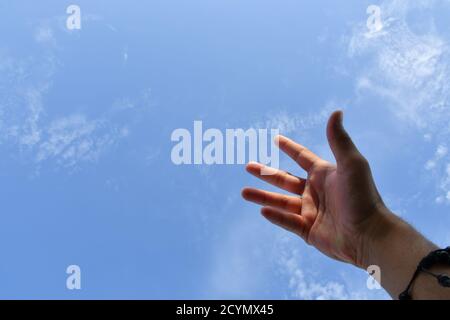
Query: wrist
[(396, 248), (382, 226)]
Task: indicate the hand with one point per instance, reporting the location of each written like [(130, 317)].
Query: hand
[(336, 209)]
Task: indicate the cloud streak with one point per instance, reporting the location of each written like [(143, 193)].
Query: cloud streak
[(411, 73), (27, 123)]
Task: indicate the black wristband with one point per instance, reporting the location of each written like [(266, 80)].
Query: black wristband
[(441, 256)]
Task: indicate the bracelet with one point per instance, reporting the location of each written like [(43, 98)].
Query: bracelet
[(441, 256)]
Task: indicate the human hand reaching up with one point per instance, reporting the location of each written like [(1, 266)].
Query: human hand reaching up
[(338, 210), (335, 208)]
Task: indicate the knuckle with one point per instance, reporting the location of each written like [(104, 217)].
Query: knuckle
[(299, 154), (279, 180), (357, 161), (285, 202), (364, 162)]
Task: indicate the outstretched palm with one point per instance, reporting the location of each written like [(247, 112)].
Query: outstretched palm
[(333, 205)]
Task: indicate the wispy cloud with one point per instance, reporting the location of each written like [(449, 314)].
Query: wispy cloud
[(289, 123), (410, 71), (304, 284), (73, 139), (246, 259), (44, 34), (26, 122)]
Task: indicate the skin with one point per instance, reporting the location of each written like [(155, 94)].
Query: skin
[(338, 210)]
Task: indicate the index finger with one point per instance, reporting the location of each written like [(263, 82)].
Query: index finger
[(300, 154)]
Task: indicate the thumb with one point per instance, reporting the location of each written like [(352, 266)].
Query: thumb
[(341, 144)]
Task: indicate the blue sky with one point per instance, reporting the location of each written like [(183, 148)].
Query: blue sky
[(86, 117)]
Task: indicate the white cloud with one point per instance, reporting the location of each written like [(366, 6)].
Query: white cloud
[(239, 262), (45, 35), (67, 140), (444, 185), (246, 260), (408, 69), (26, 122), (72, 139), (304, 284), (440, 153), (21, 106), (411, 73), (289, 123), (306, 288), (125, 55), (31, 133)]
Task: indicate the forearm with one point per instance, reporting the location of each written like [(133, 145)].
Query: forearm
[(397, 248)]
